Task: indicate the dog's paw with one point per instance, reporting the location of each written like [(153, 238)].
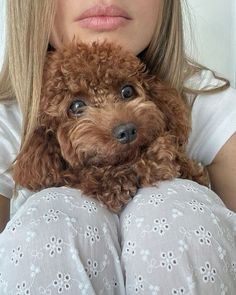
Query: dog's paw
[(117, 191), (113, 186)]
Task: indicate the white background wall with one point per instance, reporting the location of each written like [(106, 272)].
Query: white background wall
[(214, 27)]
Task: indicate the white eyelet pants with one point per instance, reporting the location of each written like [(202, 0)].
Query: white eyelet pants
[(177, 238)]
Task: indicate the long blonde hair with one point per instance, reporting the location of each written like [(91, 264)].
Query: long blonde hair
[(29, 24)]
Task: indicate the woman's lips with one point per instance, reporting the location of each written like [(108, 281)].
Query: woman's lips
[(103, 18), (101, 23)]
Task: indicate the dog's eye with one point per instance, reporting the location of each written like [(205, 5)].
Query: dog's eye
[(127, 92), (77, 107)]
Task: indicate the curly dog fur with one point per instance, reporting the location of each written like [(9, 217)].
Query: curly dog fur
[(105, 126)]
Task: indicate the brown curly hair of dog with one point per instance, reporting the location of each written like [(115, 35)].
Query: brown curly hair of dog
[(106, 127)]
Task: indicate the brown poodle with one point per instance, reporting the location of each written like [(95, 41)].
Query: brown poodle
[(105, 126)]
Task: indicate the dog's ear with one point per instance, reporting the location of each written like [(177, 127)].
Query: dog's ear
[(175, 110), (39, 163)]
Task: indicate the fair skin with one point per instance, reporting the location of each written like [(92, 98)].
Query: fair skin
[(138, 22), (222, 173), (133, 30)]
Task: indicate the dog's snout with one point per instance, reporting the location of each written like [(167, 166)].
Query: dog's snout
[(125, 133)]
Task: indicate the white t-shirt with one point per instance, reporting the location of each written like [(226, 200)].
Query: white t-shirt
[(213, 123)]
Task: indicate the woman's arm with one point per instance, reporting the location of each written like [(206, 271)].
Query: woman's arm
[(4, 212), (222, 173)]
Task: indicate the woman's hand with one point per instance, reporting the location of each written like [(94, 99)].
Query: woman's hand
[(4, 212), (222, 173)]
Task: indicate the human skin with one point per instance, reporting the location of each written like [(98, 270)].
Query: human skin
[(132, 28)]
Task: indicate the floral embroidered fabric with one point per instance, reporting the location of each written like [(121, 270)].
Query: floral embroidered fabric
[(177, 238)]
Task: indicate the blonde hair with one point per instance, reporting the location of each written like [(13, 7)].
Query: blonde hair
[(29, 24), (166, 52)]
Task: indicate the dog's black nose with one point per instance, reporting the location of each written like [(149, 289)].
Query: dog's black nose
[(125, 133)]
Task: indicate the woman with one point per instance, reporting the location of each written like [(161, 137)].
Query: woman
[(175, 239)]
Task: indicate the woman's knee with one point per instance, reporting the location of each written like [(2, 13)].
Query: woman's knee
[(64, 199), (61, 230), (179, 199), (181, 208), (61, 210), (177, 230)]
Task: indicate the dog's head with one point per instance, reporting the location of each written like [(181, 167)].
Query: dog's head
[(99, 106)]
